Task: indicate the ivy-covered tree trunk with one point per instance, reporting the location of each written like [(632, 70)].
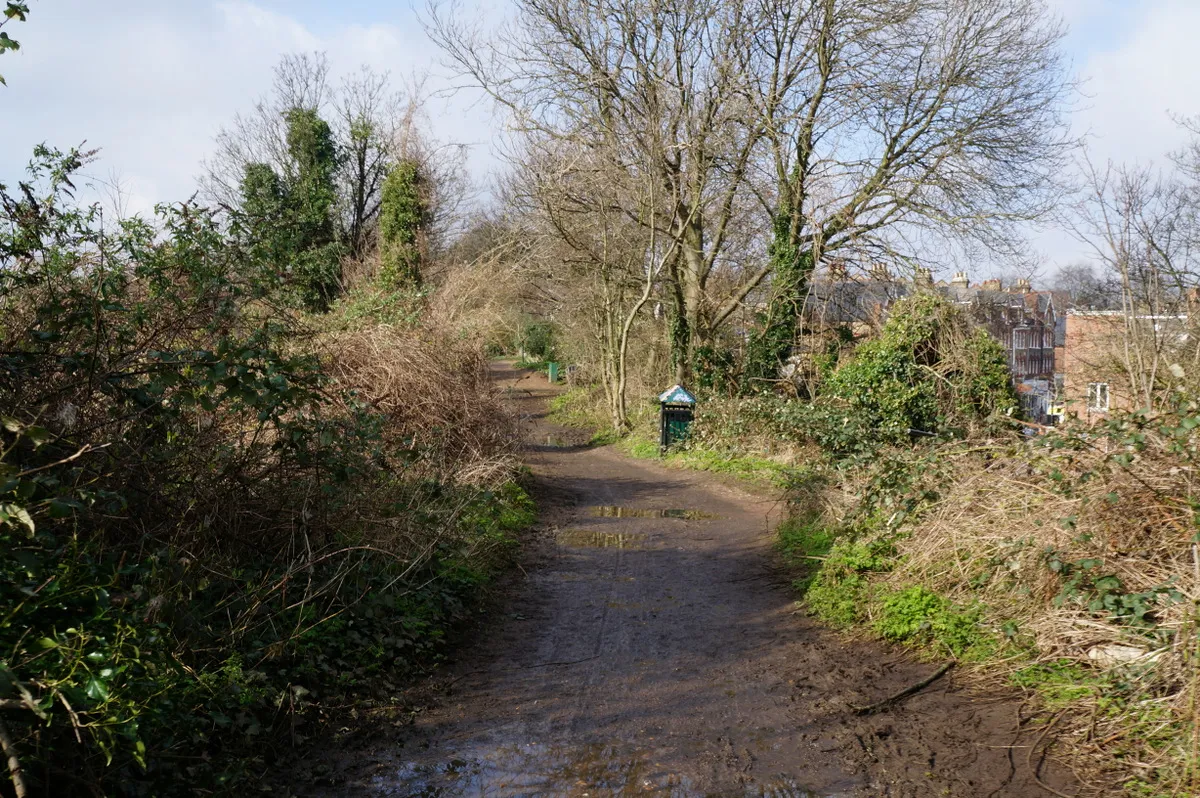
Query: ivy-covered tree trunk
[(770, 345), (289, 218), (403, 217), (679, 332), (312, 195)]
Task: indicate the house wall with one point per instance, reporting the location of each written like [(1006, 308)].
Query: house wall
[(1092, 354)]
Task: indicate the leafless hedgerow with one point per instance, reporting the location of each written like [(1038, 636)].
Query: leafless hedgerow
[(437, 397)]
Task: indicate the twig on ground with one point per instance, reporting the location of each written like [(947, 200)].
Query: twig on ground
[(1029, 757), (14, 762), (906, 692)]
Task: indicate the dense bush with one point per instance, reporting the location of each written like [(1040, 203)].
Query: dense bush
[(539, 340), (927, 370), (214, 515)]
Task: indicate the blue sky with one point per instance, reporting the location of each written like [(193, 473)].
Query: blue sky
[(151, 81)]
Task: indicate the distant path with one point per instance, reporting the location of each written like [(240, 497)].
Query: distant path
[(665, 656)]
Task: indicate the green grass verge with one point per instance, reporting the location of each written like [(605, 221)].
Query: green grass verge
[(840, 580), (578, 408), (747, 467)]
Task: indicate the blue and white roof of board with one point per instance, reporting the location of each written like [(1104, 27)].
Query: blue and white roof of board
[(677, 396)]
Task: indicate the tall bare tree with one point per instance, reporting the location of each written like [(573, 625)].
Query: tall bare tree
[(888, 121), (840, 125), (652, 85)]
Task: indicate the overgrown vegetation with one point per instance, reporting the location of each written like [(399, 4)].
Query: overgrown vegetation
[(1062, 564), (218, 514), (1065, 562), (251, 460)]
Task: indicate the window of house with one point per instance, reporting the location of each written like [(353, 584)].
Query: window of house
[(1098, 397)]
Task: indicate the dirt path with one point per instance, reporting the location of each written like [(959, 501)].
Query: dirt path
[(651, 654)]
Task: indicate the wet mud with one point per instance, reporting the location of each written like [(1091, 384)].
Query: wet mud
[(612, 511), (653, 647)]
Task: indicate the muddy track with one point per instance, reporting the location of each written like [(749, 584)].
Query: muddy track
[(662, 653)]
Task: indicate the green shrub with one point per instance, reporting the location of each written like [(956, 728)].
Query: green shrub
[(202, 534), (801, 539), (927, 371), (714, 370), (539, 341), (839, 593), (918, 615)]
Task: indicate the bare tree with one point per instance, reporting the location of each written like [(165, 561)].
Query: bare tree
[(260, 136), (608, 238), (1087, 287), (893, 123), (843, 125), (372, 121), (1143, 228), (653, 86)]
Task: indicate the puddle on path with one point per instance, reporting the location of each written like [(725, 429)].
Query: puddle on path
[(594, 770), (595, 539), (612, 511)]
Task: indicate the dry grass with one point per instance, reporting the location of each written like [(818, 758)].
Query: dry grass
[(480, 302), (1010, 531), (437, 396)]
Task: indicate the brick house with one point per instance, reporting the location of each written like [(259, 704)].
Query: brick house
[(1096, 380)]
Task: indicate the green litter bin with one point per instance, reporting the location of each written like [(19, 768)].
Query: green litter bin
[(552, 372), (678, 408)]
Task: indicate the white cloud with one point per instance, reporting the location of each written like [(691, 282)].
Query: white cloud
[(1136, 86), (1139, 64), (152, 85)]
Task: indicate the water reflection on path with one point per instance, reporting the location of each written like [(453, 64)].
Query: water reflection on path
[(533, 769)]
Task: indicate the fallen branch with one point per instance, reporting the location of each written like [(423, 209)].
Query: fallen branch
[(14, 762), (905, 693), (1029, 756)]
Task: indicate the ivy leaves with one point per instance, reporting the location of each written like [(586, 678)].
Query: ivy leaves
[(12, 10)]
